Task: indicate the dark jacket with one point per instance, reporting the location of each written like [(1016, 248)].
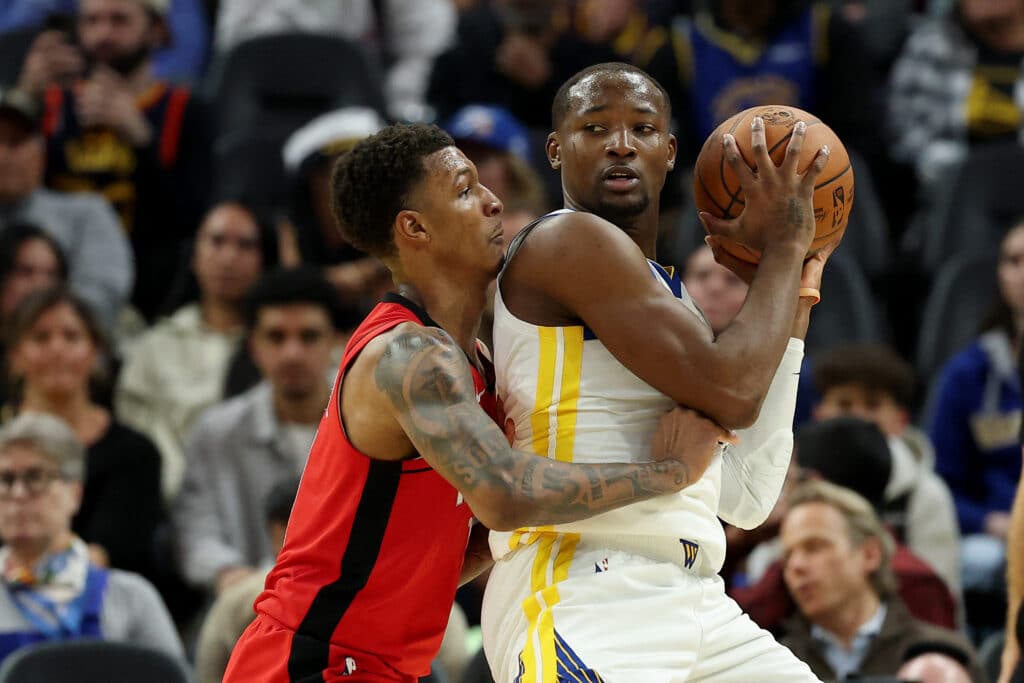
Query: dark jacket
[(901, 638)]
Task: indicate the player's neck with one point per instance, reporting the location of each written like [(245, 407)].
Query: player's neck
[(454, 306), (642, 228)]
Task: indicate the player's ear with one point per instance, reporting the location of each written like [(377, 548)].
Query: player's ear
[(554, 151), (409, 228), (672, 149)]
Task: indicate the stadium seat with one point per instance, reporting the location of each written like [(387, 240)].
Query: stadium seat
[(287, 79), (249, 168), (963, 290), (847, 312), (977, 206), (90, 661)]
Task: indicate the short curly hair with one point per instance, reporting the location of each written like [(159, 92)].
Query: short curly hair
[(371, 184)]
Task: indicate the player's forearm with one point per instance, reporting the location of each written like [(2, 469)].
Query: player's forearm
[(478, 557), (551, 492), (754, 470), (757, 337)]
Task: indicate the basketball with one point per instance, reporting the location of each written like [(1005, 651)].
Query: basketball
[(717, 189)]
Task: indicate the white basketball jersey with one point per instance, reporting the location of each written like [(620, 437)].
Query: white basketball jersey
[(570, 399)]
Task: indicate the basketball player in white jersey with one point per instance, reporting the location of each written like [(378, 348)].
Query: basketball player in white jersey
[(593, 341)]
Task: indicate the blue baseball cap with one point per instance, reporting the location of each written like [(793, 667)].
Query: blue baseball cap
[(491, 126)]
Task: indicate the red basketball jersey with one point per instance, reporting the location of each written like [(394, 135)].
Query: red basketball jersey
[(374, 548)]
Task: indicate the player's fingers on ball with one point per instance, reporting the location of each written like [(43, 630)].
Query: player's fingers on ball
[(795, 146), (718, 226), (759, 144), (816, 167), (736, 162)]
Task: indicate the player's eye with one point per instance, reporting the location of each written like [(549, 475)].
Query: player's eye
[(593, 128), (465, 192)]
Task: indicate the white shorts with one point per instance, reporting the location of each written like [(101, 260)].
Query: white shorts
[(562, 609)]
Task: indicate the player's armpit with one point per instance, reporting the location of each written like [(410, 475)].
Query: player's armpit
[(428, 381), (478, 558)]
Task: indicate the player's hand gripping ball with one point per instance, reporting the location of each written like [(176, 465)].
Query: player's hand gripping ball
[(717, 189)]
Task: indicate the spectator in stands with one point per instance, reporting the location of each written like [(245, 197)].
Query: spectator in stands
[(976, 422), (54, 349), (53, 589), (99, 259), (176, 369), (957, 84), (499, 146), (635, 29), (409, 34), (838, 568), (239, 449), (126, 134), (309, 156), (872, 383), (852, 453), (511, 53), (718, 292), (735, 54), (30, 260), (181, 57), (232, 610)]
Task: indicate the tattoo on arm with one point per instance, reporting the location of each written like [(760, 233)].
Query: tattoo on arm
[(428, 380)]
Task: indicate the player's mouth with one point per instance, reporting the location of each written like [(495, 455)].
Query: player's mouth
[(499, 234), (620, 178)]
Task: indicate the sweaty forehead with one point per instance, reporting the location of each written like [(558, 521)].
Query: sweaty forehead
[(603, 89)]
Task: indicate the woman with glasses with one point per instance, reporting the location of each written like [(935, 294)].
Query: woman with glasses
[(51, 589), (54, 350)]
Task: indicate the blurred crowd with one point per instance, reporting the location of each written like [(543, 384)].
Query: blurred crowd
[(174, 294)]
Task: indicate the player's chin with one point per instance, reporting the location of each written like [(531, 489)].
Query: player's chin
[(623, 205)]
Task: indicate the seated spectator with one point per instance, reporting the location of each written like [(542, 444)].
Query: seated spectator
[(176, 369), (838, 568), (53, 589), (514, 54), (934, 668), (872, 383), (180, 57), (852, 453), (735, 54), (232, 610), (309, 155), (955, 85), (239, 449), (121, 131), (54, 349), (975, 426), (499, 146), (99, 259), (410, 33), (718, 292), (30, 260)]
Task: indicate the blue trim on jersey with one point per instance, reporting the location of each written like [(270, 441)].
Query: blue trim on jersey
[(671, 279), (570, 666)]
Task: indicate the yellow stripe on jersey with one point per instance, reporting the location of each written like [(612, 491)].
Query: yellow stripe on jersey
[(569, 392), (540, 633), (539, 419)]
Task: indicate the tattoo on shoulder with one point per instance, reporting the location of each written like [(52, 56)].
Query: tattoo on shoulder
[(428, 380)]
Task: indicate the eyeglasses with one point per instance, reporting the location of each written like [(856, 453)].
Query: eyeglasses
[(35, 480)]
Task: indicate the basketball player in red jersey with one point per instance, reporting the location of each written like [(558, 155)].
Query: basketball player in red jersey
[(375, 546)]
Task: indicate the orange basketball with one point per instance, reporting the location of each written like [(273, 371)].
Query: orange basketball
[(717, 189)]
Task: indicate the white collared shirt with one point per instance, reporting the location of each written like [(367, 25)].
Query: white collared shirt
[(843, 660)]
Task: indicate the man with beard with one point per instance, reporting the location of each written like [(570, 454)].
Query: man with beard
[(114, 128)]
